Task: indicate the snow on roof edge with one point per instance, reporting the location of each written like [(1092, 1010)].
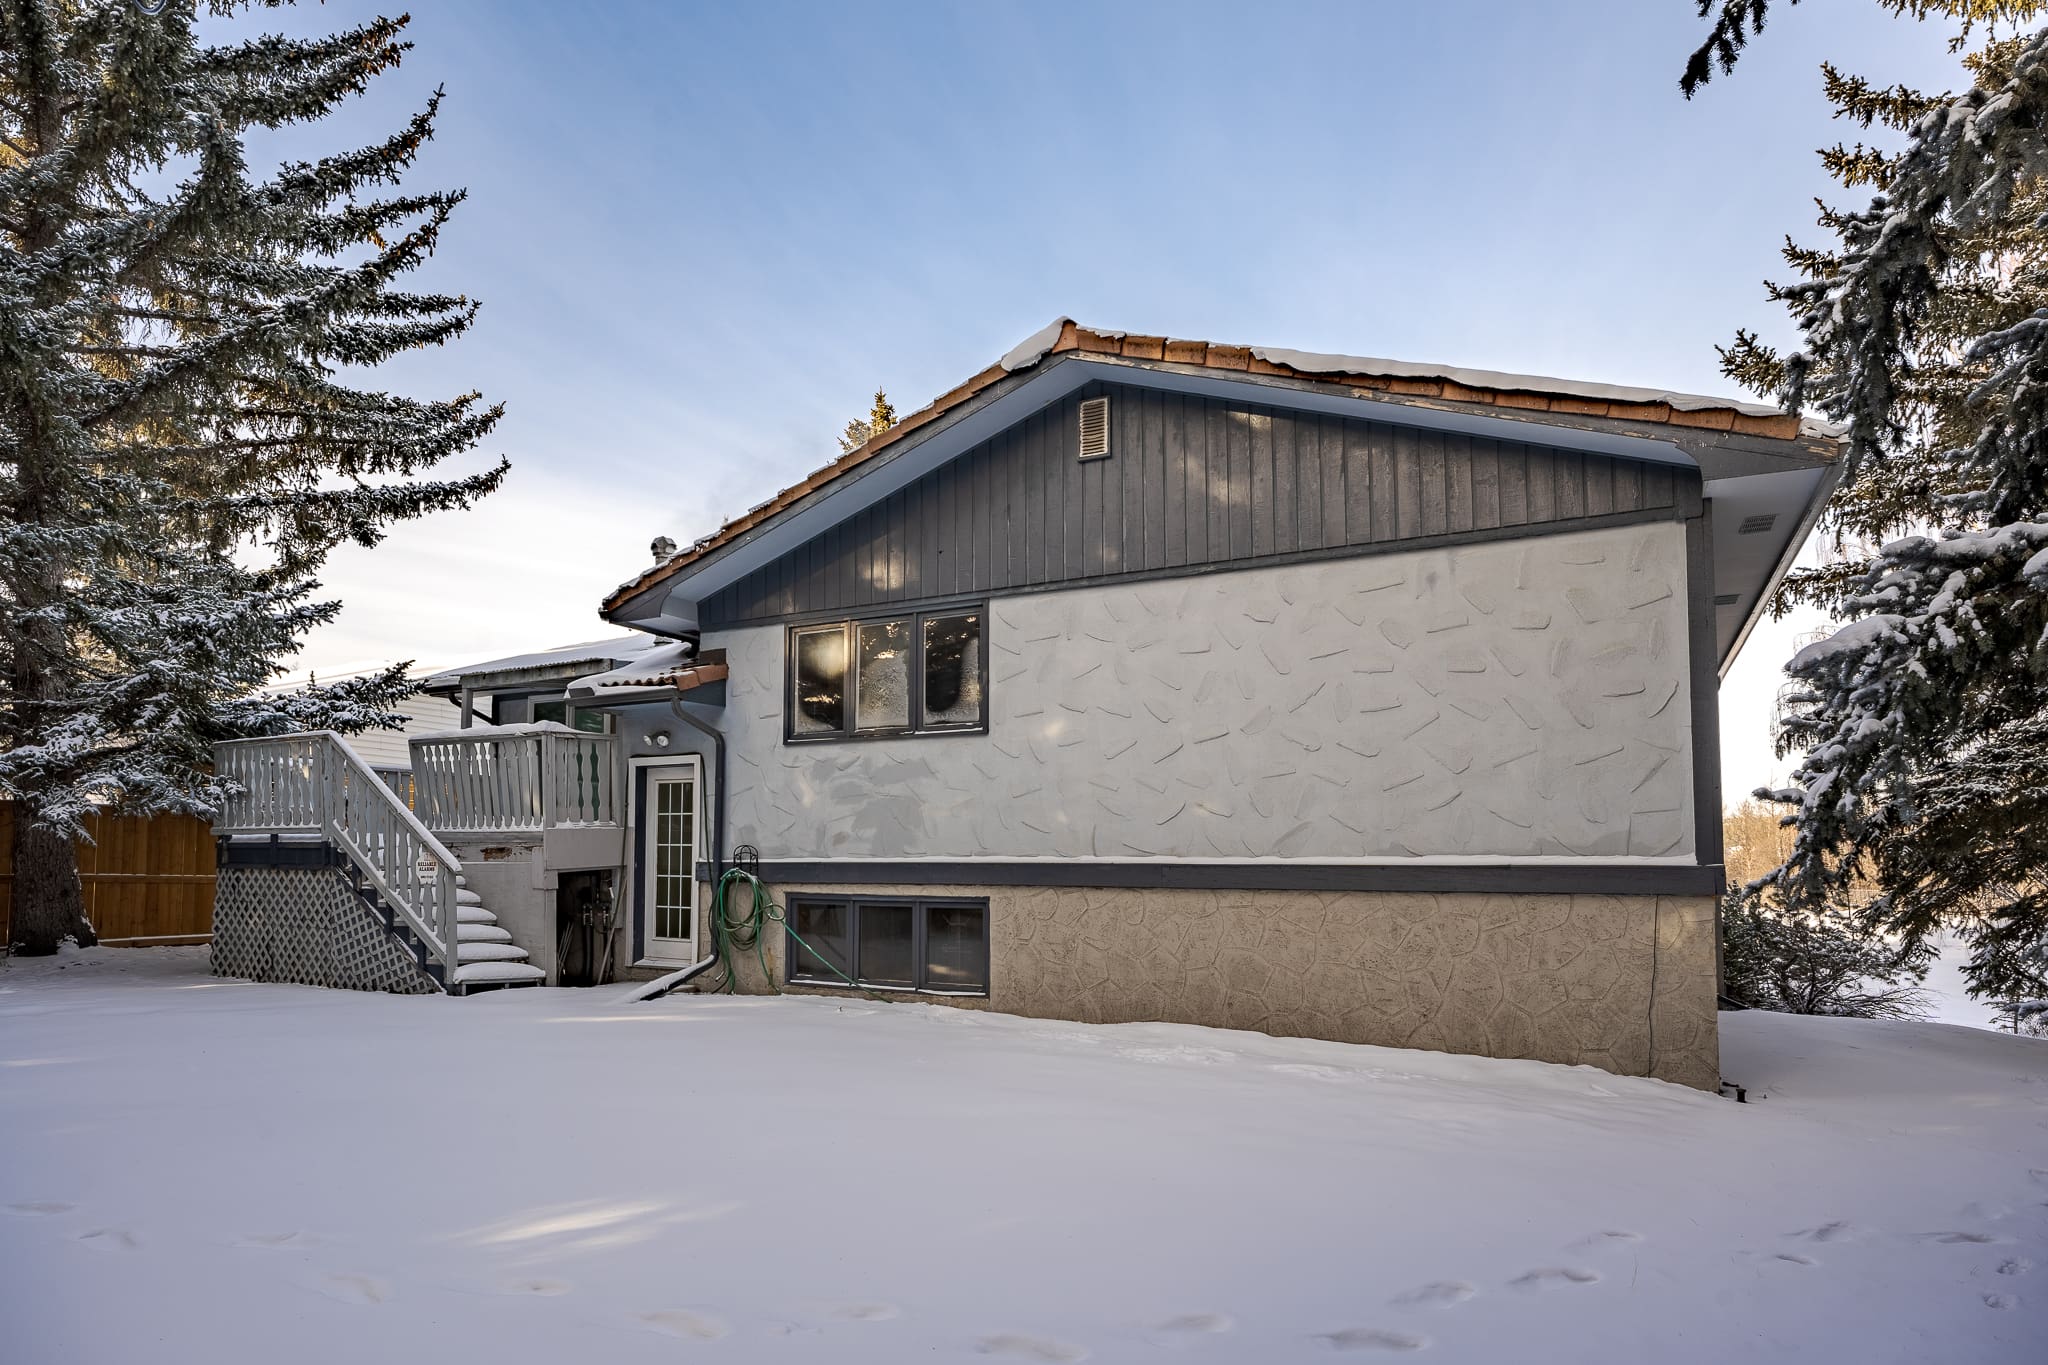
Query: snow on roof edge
[(615, 650), (667, 657), (1320, 362), (1033, 348)]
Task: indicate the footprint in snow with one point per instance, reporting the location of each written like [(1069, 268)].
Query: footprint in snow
[(1550, 1277), (1020, 1347), (1372, 1339), (2017, 1265), (865, 1312), (112, 1239), (1959, 1238), (2000, 1301), (678, 1322), (1609, 1240), (1196, 1324), (40, 1208), (1439, 1294), (1837, 1231), (540, 1289), (275, 1241), (353, 1288)]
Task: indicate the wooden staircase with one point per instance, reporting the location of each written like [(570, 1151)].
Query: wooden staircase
[(315, 790)]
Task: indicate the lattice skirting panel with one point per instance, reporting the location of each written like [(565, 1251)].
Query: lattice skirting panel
[(307, 925)]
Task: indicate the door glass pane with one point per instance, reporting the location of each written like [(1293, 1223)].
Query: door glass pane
[(883, 676), (825, 926), (672, 833), (820, 681), (956, 947), (885, 957), (952, 670)]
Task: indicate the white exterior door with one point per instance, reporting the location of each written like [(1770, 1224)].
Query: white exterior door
[(669, 828)]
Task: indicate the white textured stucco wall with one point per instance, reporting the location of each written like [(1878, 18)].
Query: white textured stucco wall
[(1521, 699)]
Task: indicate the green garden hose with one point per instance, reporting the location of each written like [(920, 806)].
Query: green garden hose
[(750, 930)]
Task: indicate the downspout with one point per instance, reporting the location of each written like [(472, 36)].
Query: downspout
[(654, 990)]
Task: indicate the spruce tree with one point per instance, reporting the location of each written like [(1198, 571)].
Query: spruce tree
[(1815, 961), (1925, 334), (857, 433), (184, 435)]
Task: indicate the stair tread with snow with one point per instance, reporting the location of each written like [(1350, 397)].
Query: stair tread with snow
[(467, 951), (485, 954), (497, 973)]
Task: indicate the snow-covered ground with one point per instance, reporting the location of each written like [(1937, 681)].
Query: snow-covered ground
[(200, 1170)]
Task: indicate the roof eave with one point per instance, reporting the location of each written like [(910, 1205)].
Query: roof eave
[(654, 603)]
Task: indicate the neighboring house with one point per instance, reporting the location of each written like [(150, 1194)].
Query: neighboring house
[(424, 715), (527, 687), (1147, 679)]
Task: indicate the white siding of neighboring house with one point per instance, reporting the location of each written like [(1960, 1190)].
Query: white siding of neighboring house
[(1518, 699), (387, 748)]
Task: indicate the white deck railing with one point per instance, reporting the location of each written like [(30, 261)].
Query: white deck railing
[(314, 784), (515, 777)]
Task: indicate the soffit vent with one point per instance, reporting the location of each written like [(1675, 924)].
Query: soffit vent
[(1727, 599), (1763, 521), (1094, 428)]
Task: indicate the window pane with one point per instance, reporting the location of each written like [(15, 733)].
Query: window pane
[(885, 956), (952, 670), (826, 927), (956, 947), (820, 681), (674, 874), (883, 686)]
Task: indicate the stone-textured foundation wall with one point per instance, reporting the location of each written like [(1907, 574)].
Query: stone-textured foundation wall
[(1625, 983), (306, 925)]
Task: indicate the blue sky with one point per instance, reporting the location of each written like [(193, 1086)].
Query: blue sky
[(704, 234)]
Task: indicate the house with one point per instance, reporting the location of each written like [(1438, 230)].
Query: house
[(1139, 678), (528, 687)]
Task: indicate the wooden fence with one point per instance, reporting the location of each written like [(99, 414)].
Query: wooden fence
[(146, 879)]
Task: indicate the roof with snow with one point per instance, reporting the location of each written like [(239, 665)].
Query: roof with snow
[(570, 659), (1767, 472), (1533, 399), (674, 664)]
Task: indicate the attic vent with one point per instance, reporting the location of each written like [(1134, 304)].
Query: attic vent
[(1727, 599), (1763, 521), (1094, 428)]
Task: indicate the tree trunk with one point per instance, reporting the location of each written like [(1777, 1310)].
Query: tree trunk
[(49, 904)]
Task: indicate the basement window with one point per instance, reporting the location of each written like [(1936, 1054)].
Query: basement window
[(907, 673), (937, 946)]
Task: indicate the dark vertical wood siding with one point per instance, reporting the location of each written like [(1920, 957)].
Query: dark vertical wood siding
[(1189, 481)]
